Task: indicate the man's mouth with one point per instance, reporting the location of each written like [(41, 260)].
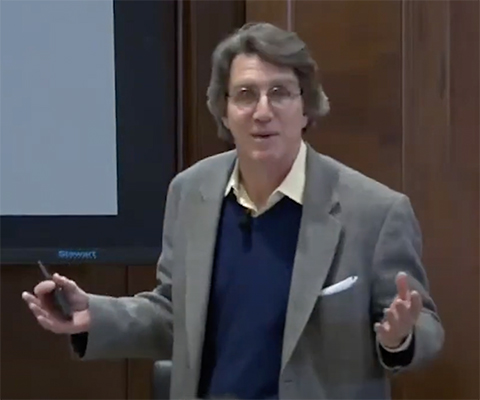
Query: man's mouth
[(263, 135)]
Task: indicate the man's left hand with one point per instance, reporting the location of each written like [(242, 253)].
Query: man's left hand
[(401, 316)]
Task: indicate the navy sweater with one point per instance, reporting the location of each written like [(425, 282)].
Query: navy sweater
[(248, 301)]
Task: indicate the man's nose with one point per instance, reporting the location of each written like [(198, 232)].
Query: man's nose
[(263, 111)]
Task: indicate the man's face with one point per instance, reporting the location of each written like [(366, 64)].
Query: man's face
[(264, 109)]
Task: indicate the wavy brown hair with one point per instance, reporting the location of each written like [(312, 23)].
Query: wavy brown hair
[(273, 45)]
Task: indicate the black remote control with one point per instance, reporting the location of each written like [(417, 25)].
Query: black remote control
[(58, 296)]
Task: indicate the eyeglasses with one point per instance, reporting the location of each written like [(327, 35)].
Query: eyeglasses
[(279, 97)]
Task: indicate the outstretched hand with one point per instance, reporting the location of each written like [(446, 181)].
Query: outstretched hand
[(401, 316), (41, 305)]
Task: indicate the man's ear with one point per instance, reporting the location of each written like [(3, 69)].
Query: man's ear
[(225, 122), (305, 121)]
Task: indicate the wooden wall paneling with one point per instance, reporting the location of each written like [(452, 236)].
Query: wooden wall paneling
[(357, 45), (140, 383), (277, 12), (465, 165), (205, 24), (464, 148), (36, 364), (441, 176)]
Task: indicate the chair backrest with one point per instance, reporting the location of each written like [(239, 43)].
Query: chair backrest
[(162, 371)]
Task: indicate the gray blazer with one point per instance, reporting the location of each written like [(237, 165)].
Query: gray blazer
[(351, 226)]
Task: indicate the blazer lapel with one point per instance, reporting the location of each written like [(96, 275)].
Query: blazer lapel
[(319, 235), (201, 239)]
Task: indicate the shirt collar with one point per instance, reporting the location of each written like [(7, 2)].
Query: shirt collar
[(293, 184)]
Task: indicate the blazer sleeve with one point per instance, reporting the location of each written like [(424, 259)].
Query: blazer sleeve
[(140, 326), (399, 248)]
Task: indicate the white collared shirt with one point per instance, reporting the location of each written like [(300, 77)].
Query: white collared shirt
[(292, 186)]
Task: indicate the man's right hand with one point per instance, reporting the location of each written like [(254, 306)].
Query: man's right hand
[(41, 305)]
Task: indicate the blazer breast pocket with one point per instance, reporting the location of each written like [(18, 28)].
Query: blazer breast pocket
[(342, 301)]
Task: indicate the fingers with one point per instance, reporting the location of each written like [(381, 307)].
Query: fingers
[(64, 282), (402, 310), (30, 298), (41, 304), (401, 316), (47, 286), (44, 316), (44, 288), (382, 329), (391, 316), (402, 286), (416, 304), (404, 313), (48, 324), (35, 305), (378, 328), (38, 311)]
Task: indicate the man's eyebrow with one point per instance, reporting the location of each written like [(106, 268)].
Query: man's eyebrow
[(273, 82), (286, 80)]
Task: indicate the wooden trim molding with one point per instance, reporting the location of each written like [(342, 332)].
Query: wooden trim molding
[(199, 38)]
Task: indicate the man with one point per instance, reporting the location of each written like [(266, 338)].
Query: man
[(283, 273)]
